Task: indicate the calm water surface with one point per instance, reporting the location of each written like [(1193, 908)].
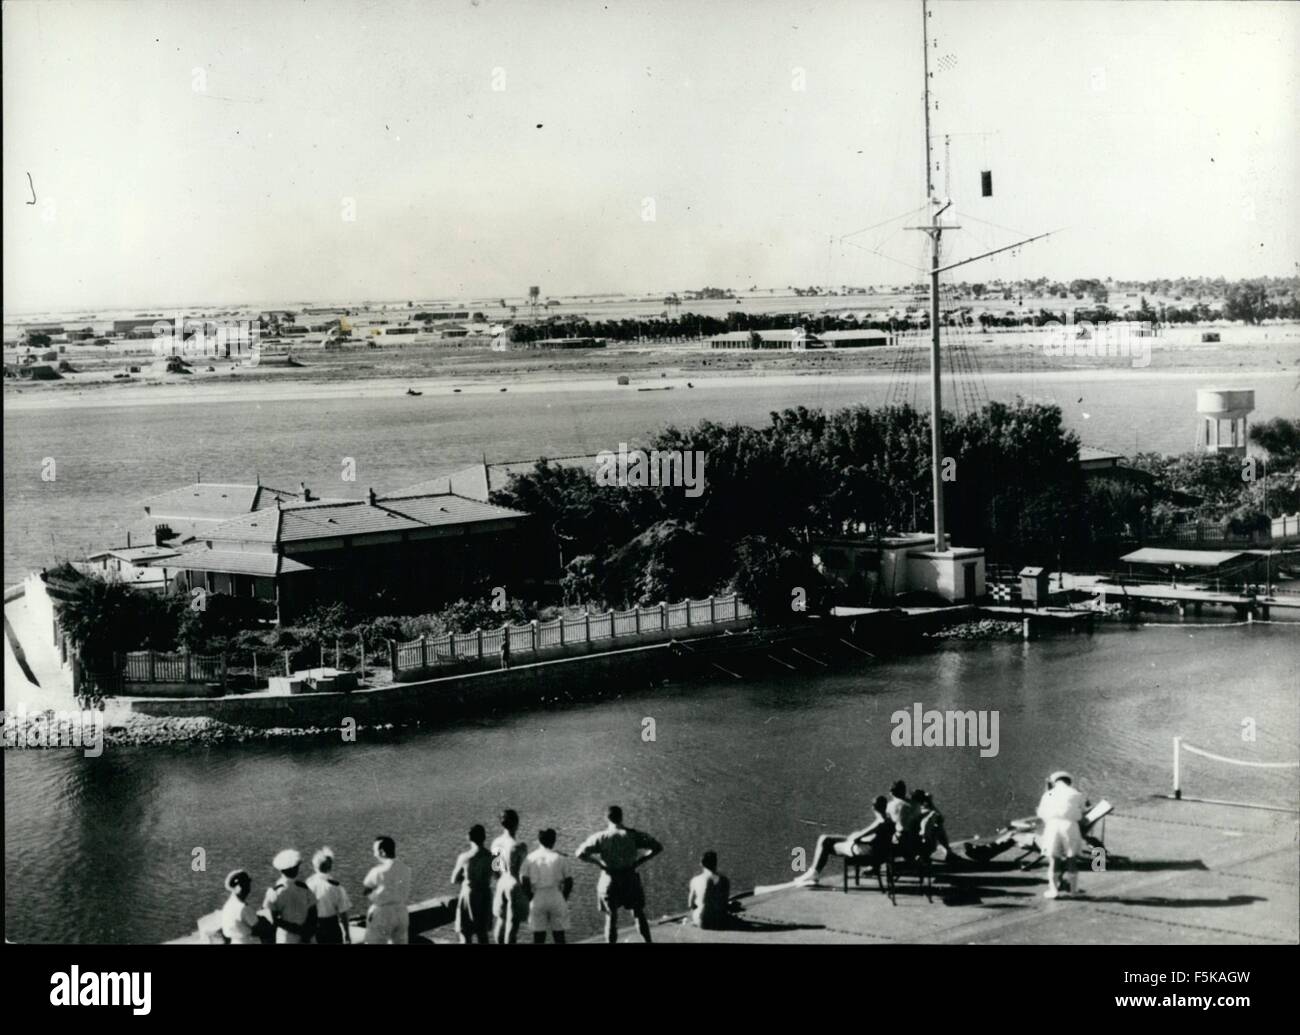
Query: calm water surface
[(110, 458), (99, 850)]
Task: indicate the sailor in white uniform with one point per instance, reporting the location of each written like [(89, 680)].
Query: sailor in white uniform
[(1061, 809), (238, 918)]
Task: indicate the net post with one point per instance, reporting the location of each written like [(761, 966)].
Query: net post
[(1178, 791)]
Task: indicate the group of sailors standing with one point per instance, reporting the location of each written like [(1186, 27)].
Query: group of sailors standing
[(502, 887)]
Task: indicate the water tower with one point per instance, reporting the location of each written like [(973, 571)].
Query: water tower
[(1221, 414)]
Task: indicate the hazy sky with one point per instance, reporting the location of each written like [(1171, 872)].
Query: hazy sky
[(212, 151)]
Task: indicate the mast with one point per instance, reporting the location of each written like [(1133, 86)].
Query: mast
[(936, 391), (935, 230)]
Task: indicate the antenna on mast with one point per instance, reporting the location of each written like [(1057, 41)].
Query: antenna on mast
[(925, 42)]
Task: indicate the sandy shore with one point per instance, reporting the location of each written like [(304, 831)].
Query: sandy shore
[(296, 390)]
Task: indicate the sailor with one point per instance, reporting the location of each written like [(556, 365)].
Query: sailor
[(473, 872), (709, 895), (290, 903), (617, 851), (547, 878), (238, 918), (388, 884), (332, 902), (504, 843), (1061, 809)]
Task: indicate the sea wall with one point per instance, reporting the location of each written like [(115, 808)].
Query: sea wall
[(447, 698)]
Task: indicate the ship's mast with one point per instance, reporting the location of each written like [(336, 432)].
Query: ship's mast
[(935, 229)]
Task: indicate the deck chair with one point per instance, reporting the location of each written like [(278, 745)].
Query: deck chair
[(912, 859), (877, 859)]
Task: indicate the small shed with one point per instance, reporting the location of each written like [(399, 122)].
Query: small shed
[(1033, 585)]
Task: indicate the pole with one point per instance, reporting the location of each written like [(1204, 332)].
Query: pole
[(1178, 743), (936, 391)]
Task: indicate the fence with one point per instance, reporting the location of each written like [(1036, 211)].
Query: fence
[(151, 666), (456, 648)]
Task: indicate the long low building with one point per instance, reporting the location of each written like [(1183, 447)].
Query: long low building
[(380, 555), (797, 339)]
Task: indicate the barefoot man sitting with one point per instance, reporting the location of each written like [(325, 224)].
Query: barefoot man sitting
[(875, 837)]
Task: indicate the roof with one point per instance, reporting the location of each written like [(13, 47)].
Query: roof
[(136, 553), (237, 562), (301, 522), (1187, 558), (790, 334), (214, 501), (864, 332), (479, 481), (1092, 454)]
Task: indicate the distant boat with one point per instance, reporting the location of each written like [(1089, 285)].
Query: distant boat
[(664, 388), (412, 391), (505, 389)]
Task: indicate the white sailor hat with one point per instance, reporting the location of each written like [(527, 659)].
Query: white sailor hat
[(287, 859), (1060, 774)]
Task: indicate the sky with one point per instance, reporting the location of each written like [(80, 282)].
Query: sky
[(207, 152)]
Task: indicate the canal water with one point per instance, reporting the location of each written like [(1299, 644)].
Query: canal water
[(109, 458), (104, 850)]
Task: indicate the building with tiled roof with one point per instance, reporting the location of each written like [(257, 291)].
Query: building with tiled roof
[(479, 481), (382, 554), (191, 510)]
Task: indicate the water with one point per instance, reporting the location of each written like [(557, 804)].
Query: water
[(109, 458), (101, 850)]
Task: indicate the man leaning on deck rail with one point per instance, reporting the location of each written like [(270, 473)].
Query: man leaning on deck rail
[(388, 885)]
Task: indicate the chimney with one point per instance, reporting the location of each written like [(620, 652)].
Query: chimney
[(128, 539), (370, 496), (306, 492)]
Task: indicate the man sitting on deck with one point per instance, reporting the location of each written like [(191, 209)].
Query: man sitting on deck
[(906, 818), (709, 898), (874, 840)]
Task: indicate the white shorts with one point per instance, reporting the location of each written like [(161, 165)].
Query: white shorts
[(388, 925), (548, 911), (1061, 838)]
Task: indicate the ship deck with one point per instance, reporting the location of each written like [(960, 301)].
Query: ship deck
[(1178, 872)]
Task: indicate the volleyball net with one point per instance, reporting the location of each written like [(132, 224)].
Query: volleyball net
[(1183, 748)]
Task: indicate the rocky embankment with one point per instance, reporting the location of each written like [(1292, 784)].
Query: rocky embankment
[(51, 730), (983, 629)]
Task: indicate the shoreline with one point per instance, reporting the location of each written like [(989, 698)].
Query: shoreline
[(270, 390)]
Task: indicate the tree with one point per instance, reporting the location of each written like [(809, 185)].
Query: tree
[(1280, 438), (1247, 301), (106, 617), (772, 575)]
